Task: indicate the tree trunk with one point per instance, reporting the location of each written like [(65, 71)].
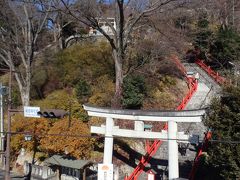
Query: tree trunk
[(25, 96), (24, 90), (118, 60), (24, 86)]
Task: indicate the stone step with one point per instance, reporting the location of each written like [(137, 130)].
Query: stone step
[(199, 98)]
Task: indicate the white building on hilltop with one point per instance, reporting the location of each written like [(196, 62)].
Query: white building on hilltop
[(103, 23)]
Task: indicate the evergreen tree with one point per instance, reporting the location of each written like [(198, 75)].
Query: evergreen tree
[(226, 46), (223, 158), (203, 36), (133, 92)]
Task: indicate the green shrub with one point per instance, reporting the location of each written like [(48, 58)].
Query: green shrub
[(134, 91), (82, 89)]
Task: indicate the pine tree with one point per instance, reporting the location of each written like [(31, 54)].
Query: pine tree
[(202, 37), (226, 46), (223, 157)]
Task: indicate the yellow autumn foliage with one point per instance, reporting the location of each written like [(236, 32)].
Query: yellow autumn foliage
[(73, 140), (22, 126), (167, 94), (103, 91)]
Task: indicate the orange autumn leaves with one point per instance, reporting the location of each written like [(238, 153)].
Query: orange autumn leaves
[(76, 144), (52, 136)]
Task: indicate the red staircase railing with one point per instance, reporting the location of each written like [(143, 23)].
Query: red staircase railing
[(208, 135), (146, 158), (157, 143), (203, 148), (211, 72), (193, 84)]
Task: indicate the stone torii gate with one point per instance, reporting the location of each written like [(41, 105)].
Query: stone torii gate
[(139, 116)]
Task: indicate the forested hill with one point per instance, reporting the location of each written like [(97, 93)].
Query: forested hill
[(118, 54)]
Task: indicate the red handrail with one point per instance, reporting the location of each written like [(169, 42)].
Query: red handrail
[(157, 143), (203, 148), (208, 135), (193, 88), (211, 72)]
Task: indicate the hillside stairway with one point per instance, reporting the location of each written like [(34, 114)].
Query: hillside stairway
[(206, 90), (204, 77)]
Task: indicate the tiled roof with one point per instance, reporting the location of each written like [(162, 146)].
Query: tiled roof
[(67, 162)]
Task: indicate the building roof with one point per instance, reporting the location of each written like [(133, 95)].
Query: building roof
[(67, 162)]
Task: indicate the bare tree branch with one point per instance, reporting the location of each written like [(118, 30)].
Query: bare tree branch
[(21, 34)]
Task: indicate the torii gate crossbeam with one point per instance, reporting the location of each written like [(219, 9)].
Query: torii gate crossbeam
[(172, 136)]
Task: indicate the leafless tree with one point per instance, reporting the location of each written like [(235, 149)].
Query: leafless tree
[(22, 23), (57, 23), (225, 12), (127, 15)]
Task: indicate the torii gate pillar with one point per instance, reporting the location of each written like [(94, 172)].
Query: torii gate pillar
[(173, 169), (108, 144)]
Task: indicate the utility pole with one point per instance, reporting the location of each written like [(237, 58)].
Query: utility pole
[(2, 93), (7, 154)]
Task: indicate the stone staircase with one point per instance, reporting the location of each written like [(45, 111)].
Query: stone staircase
[(207, 89), (203, 77)]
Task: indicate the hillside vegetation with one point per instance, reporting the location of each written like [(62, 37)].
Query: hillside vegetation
[(63, 54), (82, 74)]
